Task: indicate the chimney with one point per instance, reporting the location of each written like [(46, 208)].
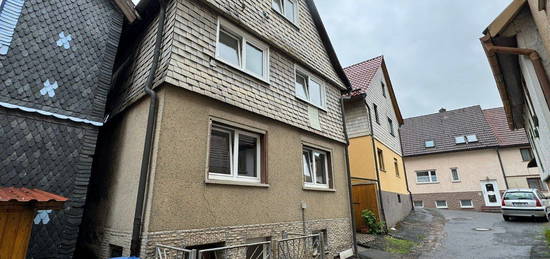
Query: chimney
[(442, 110)]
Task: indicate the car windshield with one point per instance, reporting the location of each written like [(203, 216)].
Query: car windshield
[(519, 196)]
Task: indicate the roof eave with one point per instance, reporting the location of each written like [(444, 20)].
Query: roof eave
[(392, 93), (504, 18), (128, 9)]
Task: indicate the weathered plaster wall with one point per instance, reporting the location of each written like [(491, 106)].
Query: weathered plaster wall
[(392, 179), (361, 158), (473, 166), (396, 206), (181, 199), (357, 118)]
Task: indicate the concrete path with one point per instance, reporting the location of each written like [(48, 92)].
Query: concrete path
[(516, 239)]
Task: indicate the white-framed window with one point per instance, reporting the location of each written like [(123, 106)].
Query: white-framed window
[(526, 154), (466, 139), (396, 167), (234, 154), (428, 176), (466, 204), (429, 143), (380, 155), (418, 204), (242, 51), (258, 247), (454, 175), (316, 167), (309, 88), (390, 125), (441, 204), (323, 233), (287, 8)]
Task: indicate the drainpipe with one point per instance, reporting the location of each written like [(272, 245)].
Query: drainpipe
[(533, 56), (502, 168), (377, 169), (135, 245), (348, 173)]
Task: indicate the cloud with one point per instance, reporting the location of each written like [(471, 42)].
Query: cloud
[(431, 47)]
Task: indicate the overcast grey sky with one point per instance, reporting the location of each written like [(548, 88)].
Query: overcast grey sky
[(431, 47)]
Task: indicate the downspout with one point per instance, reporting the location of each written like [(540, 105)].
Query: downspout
[(348, 172), (533, 56), (502, 168), (375, 154), (405, 172), (135, 245)]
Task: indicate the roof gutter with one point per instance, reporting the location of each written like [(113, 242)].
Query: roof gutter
[(491, 51), (135, 245)]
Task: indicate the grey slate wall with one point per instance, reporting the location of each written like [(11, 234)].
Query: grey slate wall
[(357, 118)]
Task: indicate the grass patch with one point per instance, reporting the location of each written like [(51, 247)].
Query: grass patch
[(547, 236), (398, 246)]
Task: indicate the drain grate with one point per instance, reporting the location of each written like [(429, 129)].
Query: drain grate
[(482, 229)]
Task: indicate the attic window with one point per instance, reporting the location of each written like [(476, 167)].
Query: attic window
[(460, 140), (383, 89), (471, 138), (286, 8), (429, 143), (466, 139)]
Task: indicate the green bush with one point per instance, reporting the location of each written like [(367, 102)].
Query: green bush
[(375, 227), (547, 236)]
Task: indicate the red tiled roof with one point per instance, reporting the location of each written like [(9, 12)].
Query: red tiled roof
[(28, 195), (361, 74), (506, 137)]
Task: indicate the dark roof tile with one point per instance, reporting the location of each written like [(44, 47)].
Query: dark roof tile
[(496, 118)]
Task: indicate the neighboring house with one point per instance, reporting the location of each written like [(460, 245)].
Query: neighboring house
[(56, 59), (372, 121), (517, 44), (249, 142), (464, 159)]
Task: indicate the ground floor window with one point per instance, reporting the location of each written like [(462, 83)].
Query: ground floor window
[(535, 183), (323, 233), (466, 204), (115, 251), (418, 204), (209, 254), (441, 204), (316, 167), (259, 250)]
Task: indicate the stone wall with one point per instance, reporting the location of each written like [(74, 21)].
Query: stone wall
[(452, 198)]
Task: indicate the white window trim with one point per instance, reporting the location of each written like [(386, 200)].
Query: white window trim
[(282, 12), (457, 174), (313, 183), (234, 176), (243, 38), (419, 207), (310, 77), (467, 207), (429, 176), (441, 207)]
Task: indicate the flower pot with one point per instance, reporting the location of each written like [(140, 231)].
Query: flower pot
[(364, 230)]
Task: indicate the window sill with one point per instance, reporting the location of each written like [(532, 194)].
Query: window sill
[(232, 66), (320, 189), (428, 183), (441, 207), (458, 181), (466, 207), (236, 183)]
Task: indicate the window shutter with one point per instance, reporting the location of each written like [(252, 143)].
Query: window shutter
[(220, 158)]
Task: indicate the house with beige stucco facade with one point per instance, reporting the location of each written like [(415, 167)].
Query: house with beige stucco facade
[(225, 128), (517, 44), (465, 159)]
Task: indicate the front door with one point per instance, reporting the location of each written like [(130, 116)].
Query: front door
[(491, 193)]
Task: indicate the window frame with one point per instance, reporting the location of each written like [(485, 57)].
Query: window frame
[(465, 139), (313, 185), (418, 207), (457, 174), (390, 125), (244, 39), (466, 207), (441, 207), (529, 151), (380, 156), (430, 171), (376, 116), (308, 76), (383, 86), (396, 167), (282, 12), (426, 143), (234, 177)]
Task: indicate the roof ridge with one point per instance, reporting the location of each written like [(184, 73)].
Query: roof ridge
[(364, 61), (431, 114)]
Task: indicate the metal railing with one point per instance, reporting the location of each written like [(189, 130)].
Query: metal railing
[(298, 247)]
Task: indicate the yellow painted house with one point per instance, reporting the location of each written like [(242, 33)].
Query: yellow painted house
[(373, 118)]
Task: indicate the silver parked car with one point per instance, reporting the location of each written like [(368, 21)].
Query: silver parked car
[(525, 203)]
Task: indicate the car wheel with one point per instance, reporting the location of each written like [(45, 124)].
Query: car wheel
[(506, 218)]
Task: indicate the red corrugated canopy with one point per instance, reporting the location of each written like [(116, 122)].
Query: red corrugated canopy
[(13, 194)]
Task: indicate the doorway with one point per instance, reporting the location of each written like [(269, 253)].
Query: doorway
[(491, 193)]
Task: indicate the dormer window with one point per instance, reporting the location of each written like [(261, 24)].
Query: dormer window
[(429, 143), (287, 8), (466, 139)]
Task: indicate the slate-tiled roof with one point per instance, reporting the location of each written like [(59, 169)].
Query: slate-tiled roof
[(443, 127), (361, 74), (496, 118)]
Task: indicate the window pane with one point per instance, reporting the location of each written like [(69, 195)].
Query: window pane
[(289, 10), (466, 203), (315, 95), (471, 138), (519, 196), (276, 4), (433, 176), (526, 154), (429, 143), (247, 156), (301, 86), (220, 152), (307, 166), (460, 140), (320, 168), (254, 60), (454, 174), (422, 177), (441, 203), (418, 204), (229, 48)]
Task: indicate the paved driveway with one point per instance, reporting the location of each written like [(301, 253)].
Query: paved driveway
[(516, 239)]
